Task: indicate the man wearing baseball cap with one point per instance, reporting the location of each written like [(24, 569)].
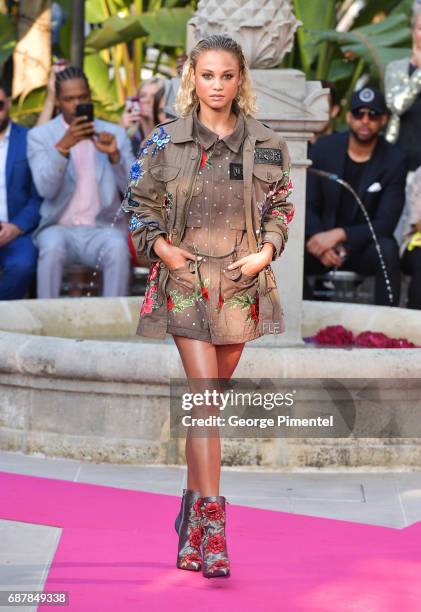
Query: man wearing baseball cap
[(337, 233)]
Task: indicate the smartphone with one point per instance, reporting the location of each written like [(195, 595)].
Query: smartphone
[(133, 104), (85, 110)]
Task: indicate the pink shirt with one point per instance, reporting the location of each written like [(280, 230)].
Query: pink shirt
[(84, 203)]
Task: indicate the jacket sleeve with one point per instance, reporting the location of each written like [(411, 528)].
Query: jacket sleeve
[(143, 200), (400, 94), (277, 211)]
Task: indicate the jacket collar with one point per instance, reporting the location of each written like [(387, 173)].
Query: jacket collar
[(183, 129)]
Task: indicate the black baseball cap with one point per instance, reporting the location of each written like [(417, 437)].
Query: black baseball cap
[(368, 97)]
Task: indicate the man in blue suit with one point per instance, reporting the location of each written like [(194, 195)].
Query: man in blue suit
[(19, 207)]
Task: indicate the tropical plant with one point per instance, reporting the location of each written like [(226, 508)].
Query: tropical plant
[(326, 49)]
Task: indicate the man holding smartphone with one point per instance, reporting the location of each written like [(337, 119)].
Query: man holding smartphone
[(80, 166)]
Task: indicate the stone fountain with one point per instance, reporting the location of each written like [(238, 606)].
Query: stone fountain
[(76, 382)]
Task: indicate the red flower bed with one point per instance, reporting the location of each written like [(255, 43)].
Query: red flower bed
[(337, 335)]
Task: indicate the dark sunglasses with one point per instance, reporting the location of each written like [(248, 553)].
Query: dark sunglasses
[(372, 114), (2, 104)]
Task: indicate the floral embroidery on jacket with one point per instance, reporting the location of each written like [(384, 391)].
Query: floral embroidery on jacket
[(136, 172), (160, 139), (150, 301), (178, 302), (206, 161), (136, 222), (246, 302)]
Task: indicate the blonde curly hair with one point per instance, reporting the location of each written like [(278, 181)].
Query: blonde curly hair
[(186, 95)]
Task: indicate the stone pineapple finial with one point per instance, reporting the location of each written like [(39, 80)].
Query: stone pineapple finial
[(264, 28)]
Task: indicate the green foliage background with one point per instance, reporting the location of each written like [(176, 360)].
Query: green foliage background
[(121, 31)]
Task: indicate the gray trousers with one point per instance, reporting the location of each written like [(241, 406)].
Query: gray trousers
[(97, 247)]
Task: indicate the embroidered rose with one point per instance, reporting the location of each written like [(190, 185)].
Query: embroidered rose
[(195, 537), (196, 508), (213, 511), (220, 302), (192, 557), (254, 311), (205, 293), (148, 302), (219, 564), (216, 543), (204, 158), (170, 303)]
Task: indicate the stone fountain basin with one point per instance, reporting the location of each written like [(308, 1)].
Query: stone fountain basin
[(76, 382)]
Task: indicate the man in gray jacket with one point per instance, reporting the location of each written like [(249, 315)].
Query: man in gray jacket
[(80, 169)]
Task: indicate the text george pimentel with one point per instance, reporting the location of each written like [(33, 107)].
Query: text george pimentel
[(260, 422)]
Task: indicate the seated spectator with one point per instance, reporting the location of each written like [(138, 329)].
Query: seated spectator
[(411, 243), (138, 124), (337, 234), (80, 168), (19, 207)]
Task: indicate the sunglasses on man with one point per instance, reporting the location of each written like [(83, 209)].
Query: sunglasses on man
[(360, 114), (2, 104)]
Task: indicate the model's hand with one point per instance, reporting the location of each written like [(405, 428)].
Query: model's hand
[(8, 232), (130, 119), (79, 129), (253, 263), (172, 256), (321, 242), (330, 258)]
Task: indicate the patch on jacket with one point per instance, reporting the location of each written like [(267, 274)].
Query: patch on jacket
[(268, 156), (236, 172)]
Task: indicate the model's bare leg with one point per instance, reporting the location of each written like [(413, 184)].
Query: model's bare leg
[(228, 356), (202, 360), (203, 453)]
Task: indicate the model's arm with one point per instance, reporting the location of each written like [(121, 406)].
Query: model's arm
[(280, 211), (143, 200), (401, 93)]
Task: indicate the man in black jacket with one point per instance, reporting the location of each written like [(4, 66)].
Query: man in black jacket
[(337, 234)]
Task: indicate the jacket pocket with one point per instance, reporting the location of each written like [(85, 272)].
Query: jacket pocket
[(164, 172), (268, 173), (235, 282), (182, 276)]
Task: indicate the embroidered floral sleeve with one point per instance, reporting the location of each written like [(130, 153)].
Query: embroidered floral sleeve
[(276, 211), (145, 196)]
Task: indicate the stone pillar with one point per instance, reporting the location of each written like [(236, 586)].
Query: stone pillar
[(295, 108)]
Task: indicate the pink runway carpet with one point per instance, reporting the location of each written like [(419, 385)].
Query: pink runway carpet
[(118, 548)]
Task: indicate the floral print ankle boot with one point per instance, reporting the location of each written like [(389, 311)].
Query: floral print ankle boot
[(214, 546), (190, 532)]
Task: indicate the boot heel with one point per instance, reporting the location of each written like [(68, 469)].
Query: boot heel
[(189, 555)]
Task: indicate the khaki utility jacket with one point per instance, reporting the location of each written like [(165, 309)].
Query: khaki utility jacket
[(158, 196)]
